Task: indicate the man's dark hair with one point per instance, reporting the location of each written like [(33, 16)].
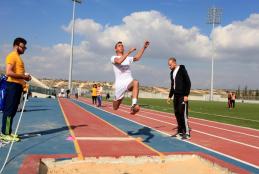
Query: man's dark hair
[(120, 42), (172, 59), (19, 40)]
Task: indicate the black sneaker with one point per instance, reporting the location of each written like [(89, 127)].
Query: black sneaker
[(186, 137), (177, 135)]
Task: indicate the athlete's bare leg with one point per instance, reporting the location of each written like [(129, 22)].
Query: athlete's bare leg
[(134, 87)]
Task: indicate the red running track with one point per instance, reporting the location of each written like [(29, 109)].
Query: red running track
[(95, 137), (234, 141)]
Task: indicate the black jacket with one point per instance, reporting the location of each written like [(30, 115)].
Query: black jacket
[(182, 83)]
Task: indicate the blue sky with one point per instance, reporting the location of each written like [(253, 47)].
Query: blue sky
[(34, 18), (43, 23)]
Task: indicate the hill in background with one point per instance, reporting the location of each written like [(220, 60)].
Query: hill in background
[(87, 85)]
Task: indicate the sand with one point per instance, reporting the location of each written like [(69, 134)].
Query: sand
[(173, 164)]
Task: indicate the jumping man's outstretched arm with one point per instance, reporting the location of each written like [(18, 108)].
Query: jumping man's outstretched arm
[(124, 56), (140, 53)]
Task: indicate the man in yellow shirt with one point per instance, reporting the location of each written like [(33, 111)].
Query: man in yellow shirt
[(15, 72)]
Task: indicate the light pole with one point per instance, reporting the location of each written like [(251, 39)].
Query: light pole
[(214, 18), (72, 45)]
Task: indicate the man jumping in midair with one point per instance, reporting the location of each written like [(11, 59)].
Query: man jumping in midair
[(123, 79)]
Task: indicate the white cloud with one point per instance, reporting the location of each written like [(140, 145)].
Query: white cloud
[(87, 27), (239, 40), (166, 38)]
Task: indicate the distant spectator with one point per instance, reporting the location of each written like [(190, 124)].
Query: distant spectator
[(229, 99), (54, 94), (99, 95), (94, 93), (107, 96), (76, 95), (233, 99), (62, 92), (68, 92)]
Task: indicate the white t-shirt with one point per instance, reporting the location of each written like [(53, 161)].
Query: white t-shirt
[(99, 90), (175, 73), (122, 71)]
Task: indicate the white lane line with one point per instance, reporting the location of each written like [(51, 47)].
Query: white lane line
[(211, 150), (193, 122), (223, 138), (106, 138), (237, 142), (226, 116), (193, 118), (254, 136), (167, 113), (219, 115), (231, 125)]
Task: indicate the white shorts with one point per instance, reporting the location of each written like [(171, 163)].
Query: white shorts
[(121, 88)]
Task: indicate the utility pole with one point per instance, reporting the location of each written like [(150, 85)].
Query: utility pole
[(72, 45), (214, 18)]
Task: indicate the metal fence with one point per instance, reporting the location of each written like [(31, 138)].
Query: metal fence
[(43, 90)]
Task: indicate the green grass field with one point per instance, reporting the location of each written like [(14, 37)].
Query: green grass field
[(246, 115)]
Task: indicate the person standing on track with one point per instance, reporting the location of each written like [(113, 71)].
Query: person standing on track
[(123, 79), (15, 71), (99, 95), (233, 100), (180, 89), (94, 94), (229, 99), (108, 96)]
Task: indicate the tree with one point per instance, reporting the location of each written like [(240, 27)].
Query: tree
[(238, 93), (257, 94), (245, 92), (250, 93)]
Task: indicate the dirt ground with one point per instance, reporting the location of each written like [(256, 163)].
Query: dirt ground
[(177, 164)]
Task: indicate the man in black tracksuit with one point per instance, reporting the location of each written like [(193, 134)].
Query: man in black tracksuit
[(180, 88)]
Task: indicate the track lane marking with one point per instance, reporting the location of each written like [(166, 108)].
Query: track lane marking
[(165, 133), (138, 140), (77, 147)]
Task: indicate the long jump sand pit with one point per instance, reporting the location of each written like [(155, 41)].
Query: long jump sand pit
[(171, 164)]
